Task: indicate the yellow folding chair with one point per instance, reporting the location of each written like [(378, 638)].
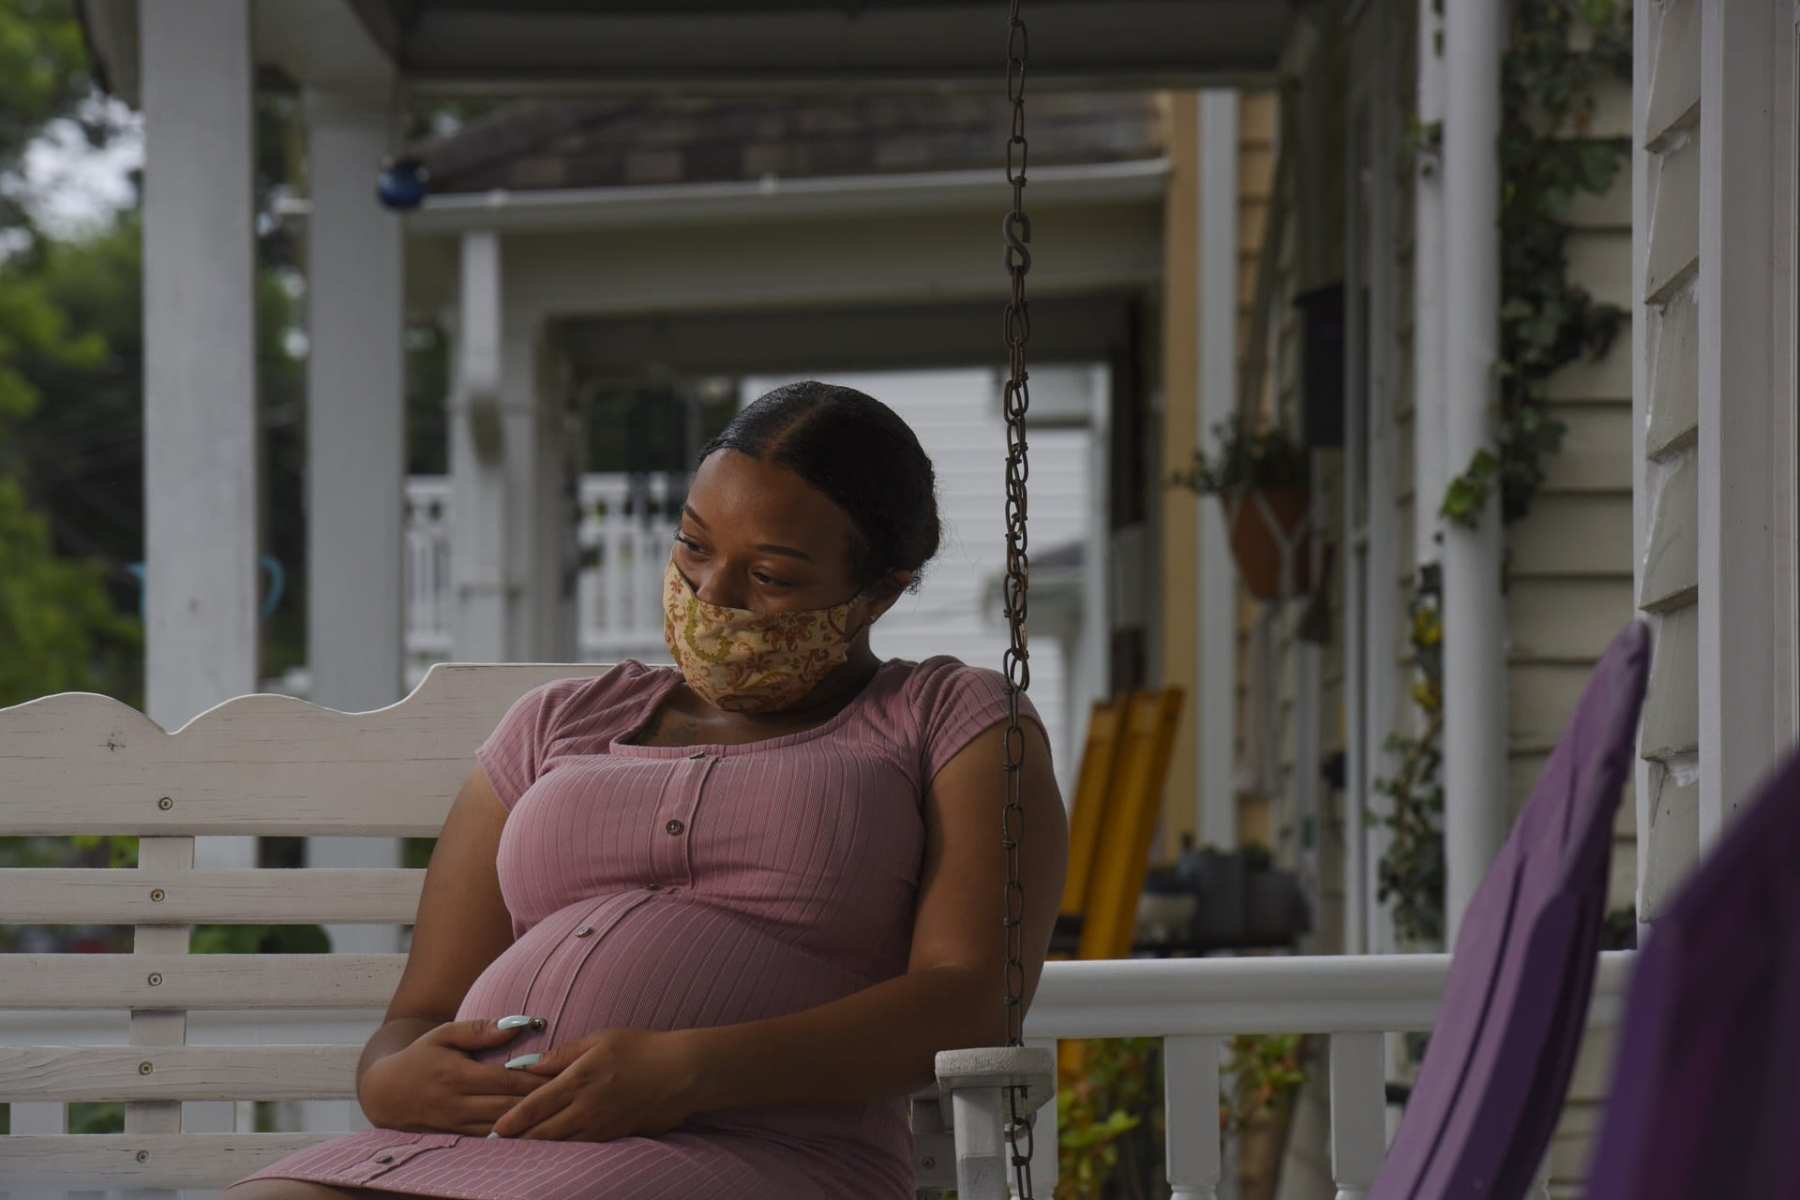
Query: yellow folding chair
[(1099, 758), (1122, 861)]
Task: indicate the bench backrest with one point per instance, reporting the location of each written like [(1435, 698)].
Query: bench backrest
[(256, 765)]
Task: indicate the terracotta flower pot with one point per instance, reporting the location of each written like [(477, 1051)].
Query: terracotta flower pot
[(1255, 546)]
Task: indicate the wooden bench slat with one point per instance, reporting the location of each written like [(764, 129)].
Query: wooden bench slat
[(93, 1074), (170, 1160), (94, 896), (79, 763), (198, 982)]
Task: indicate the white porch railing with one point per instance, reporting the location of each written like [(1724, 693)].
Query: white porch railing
[(1194, 1005), (625, 543)]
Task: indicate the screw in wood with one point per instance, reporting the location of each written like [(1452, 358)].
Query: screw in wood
[(145, 1067), (156, 979), (156, 895), (165, 803), (143, 1156)]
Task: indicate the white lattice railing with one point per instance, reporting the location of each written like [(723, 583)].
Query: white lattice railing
[(1194, 1005), (625, 540)]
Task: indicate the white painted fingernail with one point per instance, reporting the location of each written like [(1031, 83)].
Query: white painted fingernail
[(524, 1060), (518, 1022), (493, 1135)]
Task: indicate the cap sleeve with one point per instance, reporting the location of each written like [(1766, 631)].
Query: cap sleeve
[(513, 752), (957, 702)]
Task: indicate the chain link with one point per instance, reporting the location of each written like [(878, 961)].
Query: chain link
[(1016, 229)]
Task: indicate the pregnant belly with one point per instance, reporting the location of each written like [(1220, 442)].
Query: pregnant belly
[(647, 960), (651, 960)]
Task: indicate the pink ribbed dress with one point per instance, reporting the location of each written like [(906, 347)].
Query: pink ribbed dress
[(672, 887)]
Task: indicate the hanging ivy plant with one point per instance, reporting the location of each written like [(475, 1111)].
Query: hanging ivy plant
[(1560, 53), (1411, 872)]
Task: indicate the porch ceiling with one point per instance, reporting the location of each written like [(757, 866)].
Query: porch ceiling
[(565, 46), (497, 46)]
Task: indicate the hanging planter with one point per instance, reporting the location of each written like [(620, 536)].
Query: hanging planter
[(1263, 481)]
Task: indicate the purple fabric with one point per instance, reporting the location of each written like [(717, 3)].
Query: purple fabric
[(673, 887), (1498, 1066), (1705, 1097)]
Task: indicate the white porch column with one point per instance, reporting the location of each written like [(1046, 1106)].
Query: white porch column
[(1215, 704), (1428, 296), (477, 462), (541, 456), (1474, 615), (1749, 609), (355, 408), (200, 420), (356, 444)]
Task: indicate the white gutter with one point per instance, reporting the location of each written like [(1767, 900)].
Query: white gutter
[(770, 198), (1475, 717), (1217, 395)]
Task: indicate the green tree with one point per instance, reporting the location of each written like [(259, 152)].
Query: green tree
[(59, 629)]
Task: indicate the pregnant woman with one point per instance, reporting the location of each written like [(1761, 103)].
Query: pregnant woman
[(699, 931)]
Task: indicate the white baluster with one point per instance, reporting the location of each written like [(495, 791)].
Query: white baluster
[(612, 563), (587, 583), (1191, 1100), (1358, 1113)]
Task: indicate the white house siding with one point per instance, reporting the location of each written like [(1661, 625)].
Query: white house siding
[(1570, 571), (1669, 590), (1570, 578), (956, 415)]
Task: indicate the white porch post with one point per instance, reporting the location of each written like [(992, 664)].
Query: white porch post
[(1749, 613), (1474, 615), (540, 469), (355, 408), (1216, 702), (1428, 297), (200, 417), (356, 452), (477, 463), (200, 420)]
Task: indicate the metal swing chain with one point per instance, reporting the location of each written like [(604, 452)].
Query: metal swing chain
[(1017, 231)]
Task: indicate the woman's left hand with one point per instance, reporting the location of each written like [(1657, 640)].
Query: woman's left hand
[(612, 1084)]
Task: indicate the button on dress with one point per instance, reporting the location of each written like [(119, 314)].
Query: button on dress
[(678, 887)]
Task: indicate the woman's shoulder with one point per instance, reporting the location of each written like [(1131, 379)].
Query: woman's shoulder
[(929, 688), (584, 703), (940, 704)]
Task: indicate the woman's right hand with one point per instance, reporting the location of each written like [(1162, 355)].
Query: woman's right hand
[(433, 1086)]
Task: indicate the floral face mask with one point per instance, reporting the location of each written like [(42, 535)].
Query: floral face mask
[(745, 661)]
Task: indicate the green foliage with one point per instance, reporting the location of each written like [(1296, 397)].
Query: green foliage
[(1248, 458), (1560, 52), (43, 75), (1262, 1073), (259, 939), (1411, 872), (1112, 1122), (102, 1117), (59, 630), (1119, 1093)]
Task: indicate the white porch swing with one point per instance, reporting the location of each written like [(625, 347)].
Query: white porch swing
[(270, 765)]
